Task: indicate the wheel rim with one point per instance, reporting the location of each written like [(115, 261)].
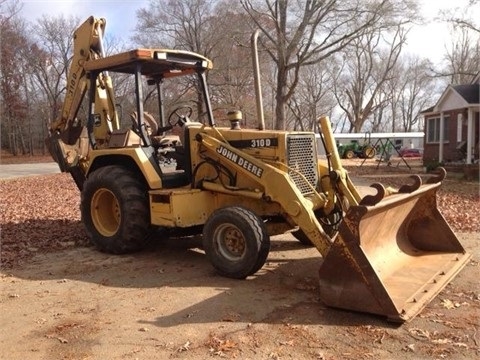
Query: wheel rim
[(105, 212), (230, 242), (370, 152)]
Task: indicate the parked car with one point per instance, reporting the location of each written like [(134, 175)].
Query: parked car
[(407, 152)]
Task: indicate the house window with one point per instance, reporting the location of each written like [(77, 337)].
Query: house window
[(433, 129)]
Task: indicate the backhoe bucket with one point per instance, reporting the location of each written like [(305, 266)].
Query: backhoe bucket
[(391, 257)]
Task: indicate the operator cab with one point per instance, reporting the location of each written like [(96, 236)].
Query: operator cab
[(163, 138)]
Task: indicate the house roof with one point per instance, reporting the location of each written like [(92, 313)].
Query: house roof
[(457, 97), (470, 92), (426, 111)]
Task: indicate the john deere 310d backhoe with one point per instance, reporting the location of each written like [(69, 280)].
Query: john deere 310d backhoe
[(387, 255)]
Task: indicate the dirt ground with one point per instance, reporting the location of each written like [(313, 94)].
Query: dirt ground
[(167, 302)]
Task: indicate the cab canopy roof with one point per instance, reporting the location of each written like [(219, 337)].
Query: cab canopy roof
[(153, 63)]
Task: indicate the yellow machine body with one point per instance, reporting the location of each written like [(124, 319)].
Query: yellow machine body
[(387, 254)]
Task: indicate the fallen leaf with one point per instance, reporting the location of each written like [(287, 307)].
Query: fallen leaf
[(62, 340), (419, 332), (184, 347), (410, 348), (448, 304), (441, 341)]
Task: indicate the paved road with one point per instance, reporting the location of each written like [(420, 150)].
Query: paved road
[(8, 171)]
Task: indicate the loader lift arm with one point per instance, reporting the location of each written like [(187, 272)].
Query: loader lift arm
[(299, 208)]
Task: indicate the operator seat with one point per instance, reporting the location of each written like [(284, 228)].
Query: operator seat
[(153, 131), (167, 146)]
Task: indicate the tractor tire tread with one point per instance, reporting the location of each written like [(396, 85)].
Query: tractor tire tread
[(135, 226)]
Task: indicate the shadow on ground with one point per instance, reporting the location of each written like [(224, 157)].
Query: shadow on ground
[(285, 290)]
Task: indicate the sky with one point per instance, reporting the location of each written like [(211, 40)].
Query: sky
[(120, 14), (427, 40), (432, 37)]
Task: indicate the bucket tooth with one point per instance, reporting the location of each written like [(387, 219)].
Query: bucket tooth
[(408, 188), (371, 200), (440, 173), (391, 258)]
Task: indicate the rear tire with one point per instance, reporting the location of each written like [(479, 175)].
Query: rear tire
[(115, 210), (369, 152), (236, 242)]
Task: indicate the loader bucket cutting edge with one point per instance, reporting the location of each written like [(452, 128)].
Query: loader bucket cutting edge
[(392, 258)]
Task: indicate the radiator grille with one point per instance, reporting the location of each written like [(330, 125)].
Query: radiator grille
[(302, 157)]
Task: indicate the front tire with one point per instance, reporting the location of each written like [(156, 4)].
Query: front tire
[(349, 154), (115, 210), (236, 242)]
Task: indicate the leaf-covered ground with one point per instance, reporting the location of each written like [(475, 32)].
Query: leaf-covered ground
[(168, 303), (38, 214), (41, 213)]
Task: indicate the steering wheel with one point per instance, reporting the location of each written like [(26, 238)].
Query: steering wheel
[(180, 115)]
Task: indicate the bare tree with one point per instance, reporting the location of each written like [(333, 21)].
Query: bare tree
[(8, 10), (176, 24), (368, 64), (185, 25), (231, 81), (218, 30), (408, 91), (378, 119), (54, 49), (13, 103), (415, 92), (302, 33), (463, 19), (462, 58), (312, 98)]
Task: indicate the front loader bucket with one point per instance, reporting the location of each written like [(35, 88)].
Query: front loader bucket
[(393, 257)]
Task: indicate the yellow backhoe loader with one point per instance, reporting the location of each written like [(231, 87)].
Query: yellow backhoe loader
[(386, 254)]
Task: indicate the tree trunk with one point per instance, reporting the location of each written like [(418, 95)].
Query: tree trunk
[(13, 143), (281, 99), (21, 137)]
